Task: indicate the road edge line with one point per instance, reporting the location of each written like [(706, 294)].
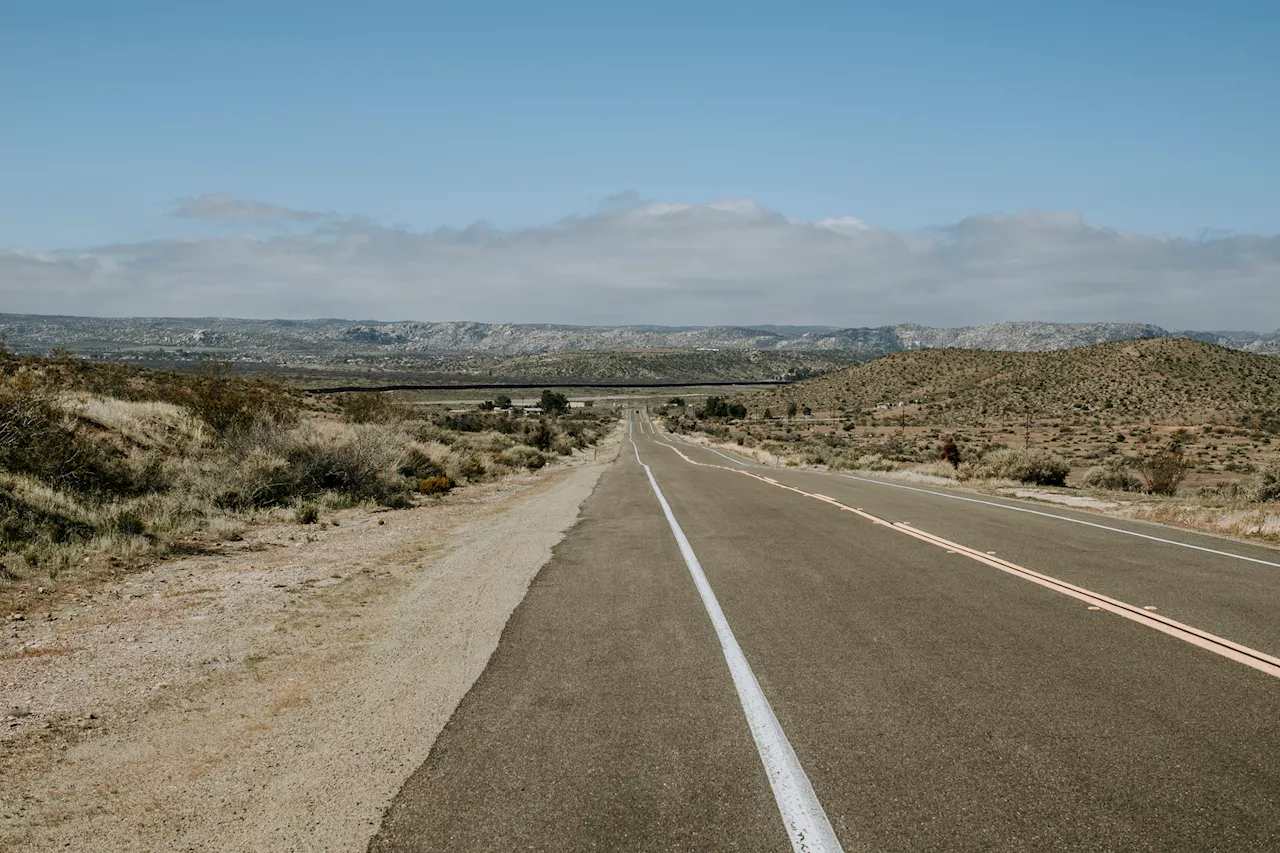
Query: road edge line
[(805, 820)]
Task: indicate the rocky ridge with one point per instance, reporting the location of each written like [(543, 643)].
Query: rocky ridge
[(333, 340)]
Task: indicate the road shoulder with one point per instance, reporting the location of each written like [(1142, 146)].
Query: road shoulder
[(277, 699)]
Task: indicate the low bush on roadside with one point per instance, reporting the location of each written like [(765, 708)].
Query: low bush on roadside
[(524, 456), (940, 468), (1266, 486), (1163, 472), (307, 514), (435, 485), (875, 462), (399, 500), (1032, 465), (1116, 475)]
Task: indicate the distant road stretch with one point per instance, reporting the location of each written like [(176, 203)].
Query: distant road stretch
[(722, 656)]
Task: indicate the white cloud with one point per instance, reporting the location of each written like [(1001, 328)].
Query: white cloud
[(221, 206), (730, 261)]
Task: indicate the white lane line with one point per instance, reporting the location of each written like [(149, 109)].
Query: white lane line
[(1061, 518), (1210, 642), (807, 824), (1010, 508)]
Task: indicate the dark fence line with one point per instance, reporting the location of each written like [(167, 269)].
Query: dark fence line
[(347, 389)]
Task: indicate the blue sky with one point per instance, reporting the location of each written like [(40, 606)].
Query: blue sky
[(1152, 118)]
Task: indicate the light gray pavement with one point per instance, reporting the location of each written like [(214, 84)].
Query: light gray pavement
[(935, 703)]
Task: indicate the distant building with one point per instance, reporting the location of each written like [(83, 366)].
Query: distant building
[(577, 404)]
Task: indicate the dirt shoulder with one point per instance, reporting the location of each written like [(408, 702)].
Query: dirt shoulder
[(275, 697)]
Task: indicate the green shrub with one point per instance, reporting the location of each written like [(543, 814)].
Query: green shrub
[(307, 514), (553, 402), (1033, 465), (399, 500)]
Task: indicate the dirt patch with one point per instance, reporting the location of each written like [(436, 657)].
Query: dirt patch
[(270, 699), (1081, 501)]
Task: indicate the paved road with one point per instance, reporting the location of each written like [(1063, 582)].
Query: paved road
[(844, 682)]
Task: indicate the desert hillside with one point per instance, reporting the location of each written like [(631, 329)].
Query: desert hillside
[(1158, 380)]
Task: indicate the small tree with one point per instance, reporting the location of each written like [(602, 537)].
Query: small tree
[(502, 401), (1164, 472), (951, 453), (792, 408), (553, 403)]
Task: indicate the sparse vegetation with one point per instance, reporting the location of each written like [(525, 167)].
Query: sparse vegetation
[(1141, 421), (1116, 475), (1035, 466), (1163, 472), (1267, 485), (111, 464), (437, 485), (718, 407)]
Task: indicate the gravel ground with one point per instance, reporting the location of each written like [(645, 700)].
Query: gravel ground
[(273, 697)]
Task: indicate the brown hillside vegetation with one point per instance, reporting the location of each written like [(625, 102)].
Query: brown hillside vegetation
[(1156, 381), (105, 467)]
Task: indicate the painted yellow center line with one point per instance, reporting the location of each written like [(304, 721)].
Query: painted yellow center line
[(1203, 639)]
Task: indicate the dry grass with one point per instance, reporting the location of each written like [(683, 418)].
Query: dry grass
[(1156, 381), (92, 483)]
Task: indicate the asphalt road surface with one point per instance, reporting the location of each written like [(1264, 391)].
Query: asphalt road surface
[(725, 657)]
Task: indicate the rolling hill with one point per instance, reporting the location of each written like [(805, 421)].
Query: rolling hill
[(1156, 380)]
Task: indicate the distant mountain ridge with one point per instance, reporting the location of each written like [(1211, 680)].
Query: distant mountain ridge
[(329, 339)]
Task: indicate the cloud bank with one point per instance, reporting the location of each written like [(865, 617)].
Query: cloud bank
[(634, 262)]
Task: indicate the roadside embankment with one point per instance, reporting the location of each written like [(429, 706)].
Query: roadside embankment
[(273, 697)]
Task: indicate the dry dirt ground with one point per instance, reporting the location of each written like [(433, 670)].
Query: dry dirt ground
[(272, 698)]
